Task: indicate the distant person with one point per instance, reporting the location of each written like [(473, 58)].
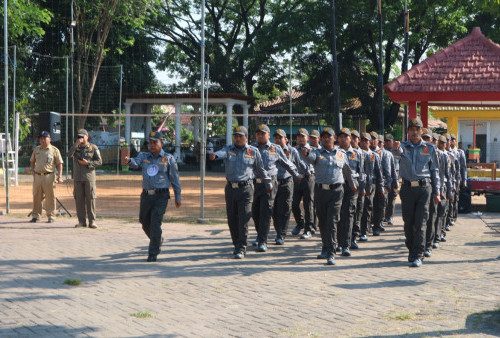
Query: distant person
[(159, 172), (43, 164), (86, 157)]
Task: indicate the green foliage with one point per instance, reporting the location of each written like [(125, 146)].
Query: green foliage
[(142, 315), (73, 281)]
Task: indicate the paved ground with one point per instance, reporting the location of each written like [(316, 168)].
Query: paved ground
[(196, 289)]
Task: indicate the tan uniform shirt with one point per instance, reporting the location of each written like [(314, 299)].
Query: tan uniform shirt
[(90, 153), (46, 159)]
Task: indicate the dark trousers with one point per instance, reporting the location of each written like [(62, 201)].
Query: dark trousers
[(304, 191), (239, 210), (347, 212), (415, 208), (391, 203), (356, 227), (455, 205), (430, 231), (328, 204), (450, 211), (366, 218), (283, 208), (262, 209), (84, 194), (152, 209), (440, 217), (379, 204)]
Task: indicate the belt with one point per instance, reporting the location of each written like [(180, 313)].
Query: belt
[(328, 186), (420, 183), (43, 174), (285, 180), (240, 184), (260, 180), (154, 191)]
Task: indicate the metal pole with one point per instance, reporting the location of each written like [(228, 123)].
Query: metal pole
[(67, 119), (202, 119), (380, 74), (290, 96), (6, 89), (336, 98), (405, 65), (119, 112), (72, 73), (15, 125)]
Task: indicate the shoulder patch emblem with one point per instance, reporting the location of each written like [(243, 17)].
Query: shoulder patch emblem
[(249, 151), (425, 149)]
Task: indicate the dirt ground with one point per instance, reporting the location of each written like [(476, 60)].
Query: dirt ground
[(118, 196)]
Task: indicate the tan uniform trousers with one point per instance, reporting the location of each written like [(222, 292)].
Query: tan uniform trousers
[(44, 187), (84, 193)]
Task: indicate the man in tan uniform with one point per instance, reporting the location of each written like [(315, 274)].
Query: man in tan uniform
[(43, 163), (86, 157)]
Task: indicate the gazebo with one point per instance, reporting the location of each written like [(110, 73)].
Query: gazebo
[(465, 74)]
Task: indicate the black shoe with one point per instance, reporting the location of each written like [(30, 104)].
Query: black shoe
[(390, 221), (306, 235), (346, 252), (330, 261), (427, 253), (376, 232), (435, 245), (255, 243), (93, 226), (313, 231), (262, 247), (363, 238), (322, 255), (50, 220), (338, 249), (296, 230), (416, 263), (381, 228), (354, 245), (239, 255), (33, 220), (279, 241), (152, 258), (447, 228), (411, 258), (442, 239), (81, 225)]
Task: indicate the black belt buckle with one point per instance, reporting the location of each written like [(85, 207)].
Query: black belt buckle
[(285, 180), (236, 185)]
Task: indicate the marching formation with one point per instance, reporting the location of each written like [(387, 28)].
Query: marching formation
[(348, 184)]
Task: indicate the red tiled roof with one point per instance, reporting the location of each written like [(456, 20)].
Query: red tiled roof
[(471, 64)]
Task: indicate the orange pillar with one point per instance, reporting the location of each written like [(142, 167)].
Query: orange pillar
[(412, 110), (424, 113)]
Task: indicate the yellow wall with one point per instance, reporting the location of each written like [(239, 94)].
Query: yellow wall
[(453, 116)]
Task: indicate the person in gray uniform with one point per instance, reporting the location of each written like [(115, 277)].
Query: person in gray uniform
[(304, 191), (283, 199), (391, 146), (332, 170), (243, 164), (374, 184), (356, 228), (445, 177), (460, 154), (315, 144), (159, 172), (456, 187), (430, 231), (420, 173), (348, 209), (380, 200), (263, 202)]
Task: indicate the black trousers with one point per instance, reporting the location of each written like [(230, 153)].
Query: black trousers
[(366, 217), (239, 210), (356, 227), (304, 191), (347, 213), (430, 231), (379, 204), (283, 208), (391, 203), (151, 211), (440, 217), (328, 204), (262, 209), (415, 208)]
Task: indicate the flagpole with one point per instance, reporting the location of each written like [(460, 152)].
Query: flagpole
[(380, 74)]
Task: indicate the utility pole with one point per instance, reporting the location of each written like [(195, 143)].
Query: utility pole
[(336, 98), (405, 65), (380, 73), (6, 89)]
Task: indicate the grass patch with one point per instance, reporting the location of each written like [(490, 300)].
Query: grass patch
[(401, 316), (142, 315), (73, 281)]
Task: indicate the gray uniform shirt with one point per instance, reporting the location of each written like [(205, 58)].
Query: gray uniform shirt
[(385, 162), (355, 160), (90, 153), (460, 155), (158, 172), (331, 166), (272, 155), (309, 166), (444, 172), (419, 161), (293, 156), (373, 171), (243, 164)]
